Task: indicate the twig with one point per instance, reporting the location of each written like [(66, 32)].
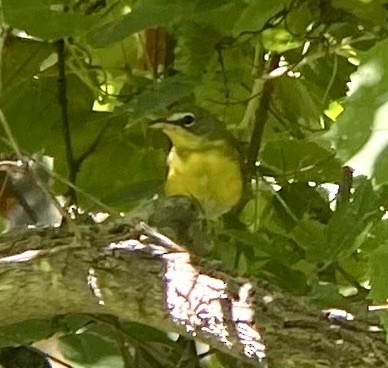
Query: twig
[(58, 361), (3, 120), (221, 62), (282, 202), (120, 337), (122, 344), (90, 197), (63, 103), (63, 180), (349, 278), (93, 146), (9, 134), (189, 355), (236, 102), (261, 117), (3, 38), (331, 81), (257, 89), (335, 49)]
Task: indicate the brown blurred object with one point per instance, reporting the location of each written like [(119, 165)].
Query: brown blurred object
[(24, 194), (345, 186), (159, 49)]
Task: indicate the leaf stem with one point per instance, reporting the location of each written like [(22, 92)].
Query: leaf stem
[(63, 103)]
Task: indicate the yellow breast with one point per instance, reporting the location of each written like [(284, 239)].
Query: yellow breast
[(212, 177)]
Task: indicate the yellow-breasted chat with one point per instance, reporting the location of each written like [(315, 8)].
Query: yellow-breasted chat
[(204, 163)]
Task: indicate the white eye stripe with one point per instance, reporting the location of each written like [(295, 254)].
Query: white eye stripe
[(179, 116), (185, 119)]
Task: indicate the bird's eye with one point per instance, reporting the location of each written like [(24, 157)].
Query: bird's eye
[(188, 121)]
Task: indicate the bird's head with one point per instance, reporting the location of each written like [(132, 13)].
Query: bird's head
[(193, 129)]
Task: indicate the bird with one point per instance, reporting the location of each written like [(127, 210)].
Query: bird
[(204, 162)]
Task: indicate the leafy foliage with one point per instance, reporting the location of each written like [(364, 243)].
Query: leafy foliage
[(130, 60)]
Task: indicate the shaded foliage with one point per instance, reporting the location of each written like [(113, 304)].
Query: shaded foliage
[(122, 69)]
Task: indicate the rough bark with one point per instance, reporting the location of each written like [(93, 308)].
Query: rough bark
[(54, 282)]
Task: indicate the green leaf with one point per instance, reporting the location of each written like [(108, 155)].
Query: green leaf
[(378, 273), (219, 18), (301, 161), (31, 105), (157, 97), (90, 350), (41, 20), (282, 275), (148, 15), (128, 195), (71, 323), (309, 234), (256, 14), (265, 246), (272, 257), (325, 80), (195, 48), (377, 236), (378, 264), (367, 95), (299, 18), (380, 169), (22, 60), (372, 12), (302, 200), (126, 169), (351, 221), (346, 230), (149, 345), (279, 40), (300, 103), (145, 333), (25, 333), (327, 294)]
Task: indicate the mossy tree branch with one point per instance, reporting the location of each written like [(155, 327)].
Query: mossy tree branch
[(54, 282)]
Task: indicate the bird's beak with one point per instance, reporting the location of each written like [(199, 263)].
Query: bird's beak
[(157, 124), (162, 124)]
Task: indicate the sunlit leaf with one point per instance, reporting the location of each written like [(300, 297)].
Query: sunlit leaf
[(366, 104)]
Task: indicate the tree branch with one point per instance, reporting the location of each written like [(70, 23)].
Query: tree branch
[(44, 274)]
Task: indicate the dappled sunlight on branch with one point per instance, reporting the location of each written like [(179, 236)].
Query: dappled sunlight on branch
[(204, 305)]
